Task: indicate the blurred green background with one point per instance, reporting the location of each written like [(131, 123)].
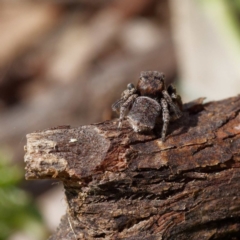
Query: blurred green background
[(17, 208), (66, 62)]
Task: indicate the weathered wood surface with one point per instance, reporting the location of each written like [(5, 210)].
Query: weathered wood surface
[(122, 185)]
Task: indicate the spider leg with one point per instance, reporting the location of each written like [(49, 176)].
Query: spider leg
[(116, 105), (175, 108), (125, 95), (174, 96), (125, 107), (165, 117)]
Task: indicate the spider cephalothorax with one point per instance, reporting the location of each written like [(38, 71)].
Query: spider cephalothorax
[(151, 83), (142, 105)]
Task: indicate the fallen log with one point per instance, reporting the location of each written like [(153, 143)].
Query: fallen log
[(123, 185)]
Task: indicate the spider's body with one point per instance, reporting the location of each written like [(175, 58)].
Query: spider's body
[(142, 105), (151, 84), (143, 114)]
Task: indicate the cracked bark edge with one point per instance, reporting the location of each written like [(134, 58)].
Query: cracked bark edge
[(123, 185)]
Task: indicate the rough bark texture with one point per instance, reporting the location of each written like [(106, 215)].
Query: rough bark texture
[(123, 185)]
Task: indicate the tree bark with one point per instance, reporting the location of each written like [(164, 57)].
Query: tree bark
[(123, 185)]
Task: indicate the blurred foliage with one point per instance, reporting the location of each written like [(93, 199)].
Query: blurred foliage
[(225, 15), (234, 11), (235, 4), (17, 210)]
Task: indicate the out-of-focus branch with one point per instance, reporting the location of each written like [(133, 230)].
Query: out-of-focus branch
[(122, 185)]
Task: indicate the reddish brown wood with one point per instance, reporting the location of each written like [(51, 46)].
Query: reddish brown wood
[(122, 185)]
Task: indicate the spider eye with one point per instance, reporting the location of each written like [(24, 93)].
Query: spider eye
[(130, 86)]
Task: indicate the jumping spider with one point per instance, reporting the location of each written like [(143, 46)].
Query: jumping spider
[(142, 105)]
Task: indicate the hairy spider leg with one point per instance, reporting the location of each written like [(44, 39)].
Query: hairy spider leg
[(116, 106), (125, 107), (173, 95), (125, 95), (171, 89), (165, 117), (175, 108)]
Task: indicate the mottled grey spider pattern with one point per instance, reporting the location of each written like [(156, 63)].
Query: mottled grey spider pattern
[(142, 105)]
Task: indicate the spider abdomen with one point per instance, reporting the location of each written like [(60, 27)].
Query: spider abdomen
[(143, 114)]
